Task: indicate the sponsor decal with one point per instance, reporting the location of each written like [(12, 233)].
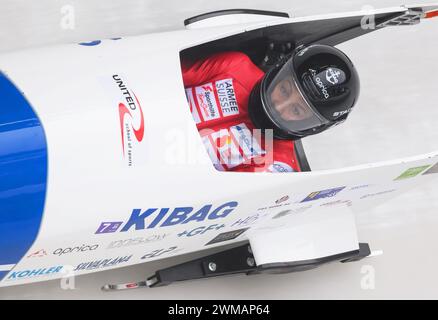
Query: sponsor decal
[(291, 211), (165, 217), (278, 166), (91, 43), (341, 113), (95, 42), (136, 241), (61, 251), (226, 236), (103, 263), (412, 172), (282, 199), (212, 153), (434, 169), (227, 97), (192, 105), (32, 273), (207, 102), (109, 227), (332, 75), (248, 220), (322, 87), (282, 204), (377, 193), (226, 148), (323, 194), (131, 119), (160, 252), (246, 141), (349, 203), (200, 230), (233, 146), (360, 187), (211, 101), (38, 254)]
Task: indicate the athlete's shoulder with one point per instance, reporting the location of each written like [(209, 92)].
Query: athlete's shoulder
[(230, 58), (230, 63), (235, 55)]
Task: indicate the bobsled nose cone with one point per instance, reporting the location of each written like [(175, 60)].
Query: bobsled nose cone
[(23, 174)]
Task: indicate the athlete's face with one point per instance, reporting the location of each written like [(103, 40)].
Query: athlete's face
[(288, 102)]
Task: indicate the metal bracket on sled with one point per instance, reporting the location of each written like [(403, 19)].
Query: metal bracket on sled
[(241, 260), (233, 261), (411, 17)]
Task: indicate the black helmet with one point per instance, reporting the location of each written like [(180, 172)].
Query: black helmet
[(309, 91)]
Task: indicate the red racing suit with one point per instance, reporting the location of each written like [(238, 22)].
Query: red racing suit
[(218, 89)]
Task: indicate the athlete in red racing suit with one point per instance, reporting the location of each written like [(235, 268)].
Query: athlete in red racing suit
[(218, 89)]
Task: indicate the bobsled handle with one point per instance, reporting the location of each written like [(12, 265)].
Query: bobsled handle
[(214, 18)]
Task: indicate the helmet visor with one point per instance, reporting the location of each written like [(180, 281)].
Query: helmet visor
[(286, 105)]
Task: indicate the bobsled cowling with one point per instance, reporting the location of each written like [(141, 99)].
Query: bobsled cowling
[(126, 179)]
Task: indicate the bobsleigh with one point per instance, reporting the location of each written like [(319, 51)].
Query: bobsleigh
[(102, 166)]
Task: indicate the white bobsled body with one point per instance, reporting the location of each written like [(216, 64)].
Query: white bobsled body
[(123, 192)]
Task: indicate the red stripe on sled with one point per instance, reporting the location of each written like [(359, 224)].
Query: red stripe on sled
[(431, 14)]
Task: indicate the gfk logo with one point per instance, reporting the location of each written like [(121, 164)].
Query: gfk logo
[(123, 111)]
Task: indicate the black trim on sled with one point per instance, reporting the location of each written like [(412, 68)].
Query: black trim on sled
[(255, 43), (234, 11), (296, 266), (301, 156)]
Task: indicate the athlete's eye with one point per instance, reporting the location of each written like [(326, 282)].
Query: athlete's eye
[(296, 111), (286, 88), (283, 91)]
